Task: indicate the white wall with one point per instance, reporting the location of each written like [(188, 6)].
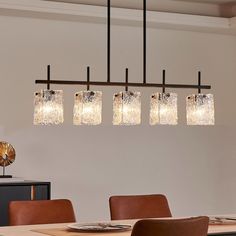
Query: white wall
[(193, 166)]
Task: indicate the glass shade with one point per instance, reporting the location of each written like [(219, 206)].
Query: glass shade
[(163, 109), (127, 108), (200, 109), (88, 108), (48, 107)]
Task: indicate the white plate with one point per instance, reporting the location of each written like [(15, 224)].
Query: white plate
[(222, 221), (100, 227)]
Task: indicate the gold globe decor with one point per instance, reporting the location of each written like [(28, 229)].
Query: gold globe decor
[(7, 157)]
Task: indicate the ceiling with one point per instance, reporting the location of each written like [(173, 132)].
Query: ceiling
[(223, 8), (134, 2), (208, 1)]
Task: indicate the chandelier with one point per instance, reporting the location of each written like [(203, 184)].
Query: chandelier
[(48, 104)]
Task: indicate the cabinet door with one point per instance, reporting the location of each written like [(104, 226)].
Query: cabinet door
[(42, 192), (20, 193), (11, 193)]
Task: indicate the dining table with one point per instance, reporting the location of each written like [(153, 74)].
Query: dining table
[(63, 230)]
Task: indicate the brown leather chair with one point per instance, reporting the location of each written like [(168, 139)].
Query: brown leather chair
[(139, 207), (197, 226), (41, 212)]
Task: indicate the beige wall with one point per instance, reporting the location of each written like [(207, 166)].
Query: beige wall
[(193, 166)]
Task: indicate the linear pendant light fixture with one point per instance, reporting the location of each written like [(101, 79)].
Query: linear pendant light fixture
[(126, 104)]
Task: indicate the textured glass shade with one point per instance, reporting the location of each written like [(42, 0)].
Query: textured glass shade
[(164, 109), (127, 108), (48, 107), (88, 108), (200, 109)]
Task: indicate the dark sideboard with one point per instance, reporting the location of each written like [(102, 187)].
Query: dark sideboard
[(20, 191)]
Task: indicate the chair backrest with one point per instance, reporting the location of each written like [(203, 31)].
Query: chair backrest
[(139, 207), (40, 212), (197, 226)]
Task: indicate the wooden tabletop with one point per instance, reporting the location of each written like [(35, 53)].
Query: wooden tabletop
[(27, 230)]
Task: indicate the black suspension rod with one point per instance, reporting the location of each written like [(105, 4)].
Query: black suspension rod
[(88, 78), (48, 76), (144, 41), (199, 81), (126, 78), (163, 81), (122, 84), (108, 40)]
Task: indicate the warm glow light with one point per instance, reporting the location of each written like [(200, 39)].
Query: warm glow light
[(127, 108), (200, 109), (88, 108), (163, 109), (48, 107)]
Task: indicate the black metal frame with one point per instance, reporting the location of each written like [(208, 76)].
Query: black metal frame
[(108, 41), (125, 84), (144, 41)]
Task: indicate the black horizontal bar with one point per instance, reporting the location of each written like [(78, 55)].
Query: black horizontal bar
[(122, 84)]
